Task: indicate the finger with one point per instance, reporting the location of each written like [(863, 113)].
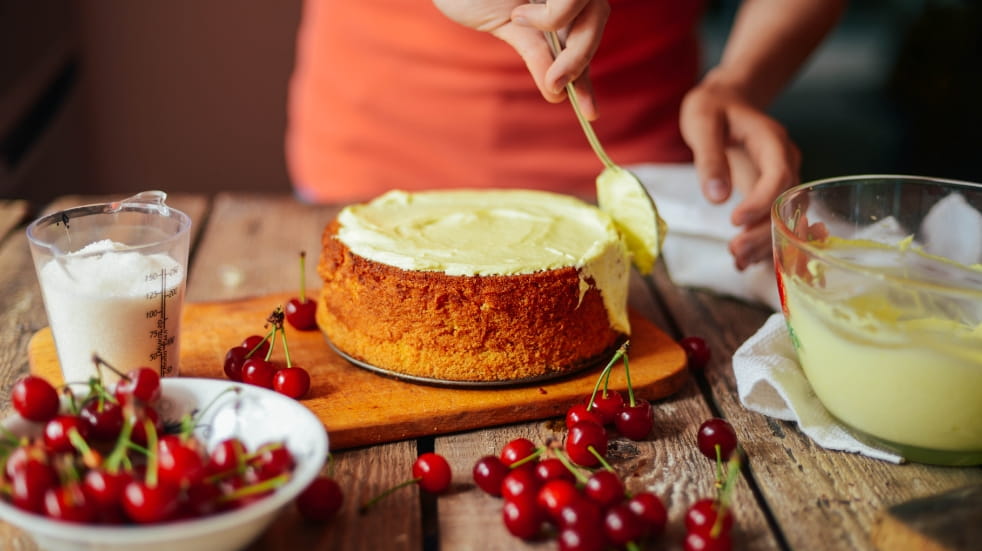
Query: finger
[(532, 47), (582, 31), (549, 16), (778, 161), (751, 246), (704, 130)]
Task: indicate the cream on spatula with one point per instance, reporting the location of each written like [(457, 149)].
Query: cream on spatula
[(620, 194)]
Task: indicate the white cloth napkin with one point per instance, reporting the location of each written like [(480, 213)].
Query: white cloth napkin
[(695, 249), (769, 379)]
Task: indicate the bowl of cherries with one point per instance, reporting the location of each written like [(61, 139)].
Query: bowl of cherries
[(153, 464)]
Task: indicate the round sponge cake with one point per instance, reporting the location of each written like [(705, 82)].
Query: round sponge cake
[(474, 285)]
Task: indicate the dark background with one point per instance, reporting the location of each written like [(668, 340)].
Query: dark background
[(117, 96)]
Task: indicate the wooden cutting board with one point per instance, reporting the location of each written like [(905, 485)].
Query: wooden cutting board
[(360, 407)]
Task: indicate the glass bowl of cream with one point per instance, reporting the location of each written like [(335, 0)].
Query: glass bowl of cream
[(880, 280)]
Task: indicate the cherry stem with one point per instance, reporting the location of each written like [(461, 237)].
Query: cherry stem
[(151, 477), (276, 320), (528, 458), (269, 335), (90, 457), (605, 374), (370, 503), (630, 387), (188, 421), (286, 349), (603, 462), (725, 493), (257, 488), (582, 478), (303, 277), (99, 361), (118, 453)]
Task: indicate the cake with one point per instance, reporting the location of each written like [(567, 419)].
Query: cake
[(477, 286)]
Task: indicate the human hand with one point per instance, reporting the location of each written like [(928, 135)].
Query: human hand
[(736, 145), (521, 25)]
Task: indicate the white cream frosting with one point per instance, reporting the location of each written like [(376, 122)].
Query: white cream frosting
[(493, 232)]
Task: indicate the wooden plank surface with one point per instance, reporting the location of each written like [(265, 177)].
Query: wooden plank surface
[(824, 500), (360, 407), (666, 463)]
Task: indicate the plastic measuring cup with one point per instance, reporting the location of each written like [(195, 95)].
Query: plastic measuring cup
[(112, 276)]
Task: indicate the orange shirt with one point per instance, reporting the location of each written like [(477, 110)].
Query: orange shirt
[(390, 94)]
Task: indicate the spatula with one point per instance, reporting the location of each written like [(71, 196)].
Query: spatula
[(620, 194)]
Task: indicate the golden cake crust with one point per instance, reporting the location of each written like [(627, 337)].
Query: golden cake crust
[(459, 328)]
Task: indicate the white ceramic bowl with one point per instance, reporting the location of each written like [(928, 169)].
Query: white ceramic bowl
[(262, 416)]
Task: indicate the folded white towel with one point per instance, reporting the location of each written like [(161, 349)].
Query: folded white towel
[(770, 381), (695, 249)]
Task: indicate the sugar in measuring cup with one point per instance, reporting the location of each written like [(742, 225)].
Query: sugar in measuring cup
[(112, 276)]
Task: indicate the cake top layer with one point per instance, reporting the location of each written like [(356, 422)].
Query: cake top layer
[(492, 232), (477, 232)]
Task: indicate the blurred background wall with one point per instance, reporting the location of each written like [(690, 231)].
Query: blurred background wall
[(114, 96)]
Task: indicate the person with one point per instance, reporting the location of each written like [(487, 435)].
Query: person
[(420, 95)]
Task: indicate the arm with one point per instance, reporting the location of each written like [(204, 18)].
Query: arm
[(734, 143)]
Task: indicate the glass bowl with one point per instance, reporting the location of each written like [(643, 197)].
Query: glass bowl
[(880, 279)]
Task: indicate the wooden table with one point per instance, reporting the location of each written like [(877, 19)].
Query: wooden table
[(792, 495)]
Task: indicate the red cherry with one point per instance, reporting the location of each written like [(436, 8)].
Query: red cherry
[(553, 469), (622, 526), (576, 539), (433, 473), (522, 517), (518, 483), (581, 438), (701, 517), (715, 433), (56, 432), (488, 473), (651, 510), (635, 421), (145, 503), (258, 345), (583, 514), (227, 457), (301, 315), (579, 412), (29, 484), (204, 498), (142, 383), (696, 351), (139, 419), (604, 487), (554, 495), (35, 399), (234, 358), (273, 460), (301, 312), (68, 503), (104, 488), (607, 404), (516, 450), (292, 381), (321, 500), (703, 541), (105, 419), (259, 372), (179, 463)]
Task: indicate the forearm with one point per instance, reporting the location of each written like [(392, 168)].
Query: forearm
[(769, 42)]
